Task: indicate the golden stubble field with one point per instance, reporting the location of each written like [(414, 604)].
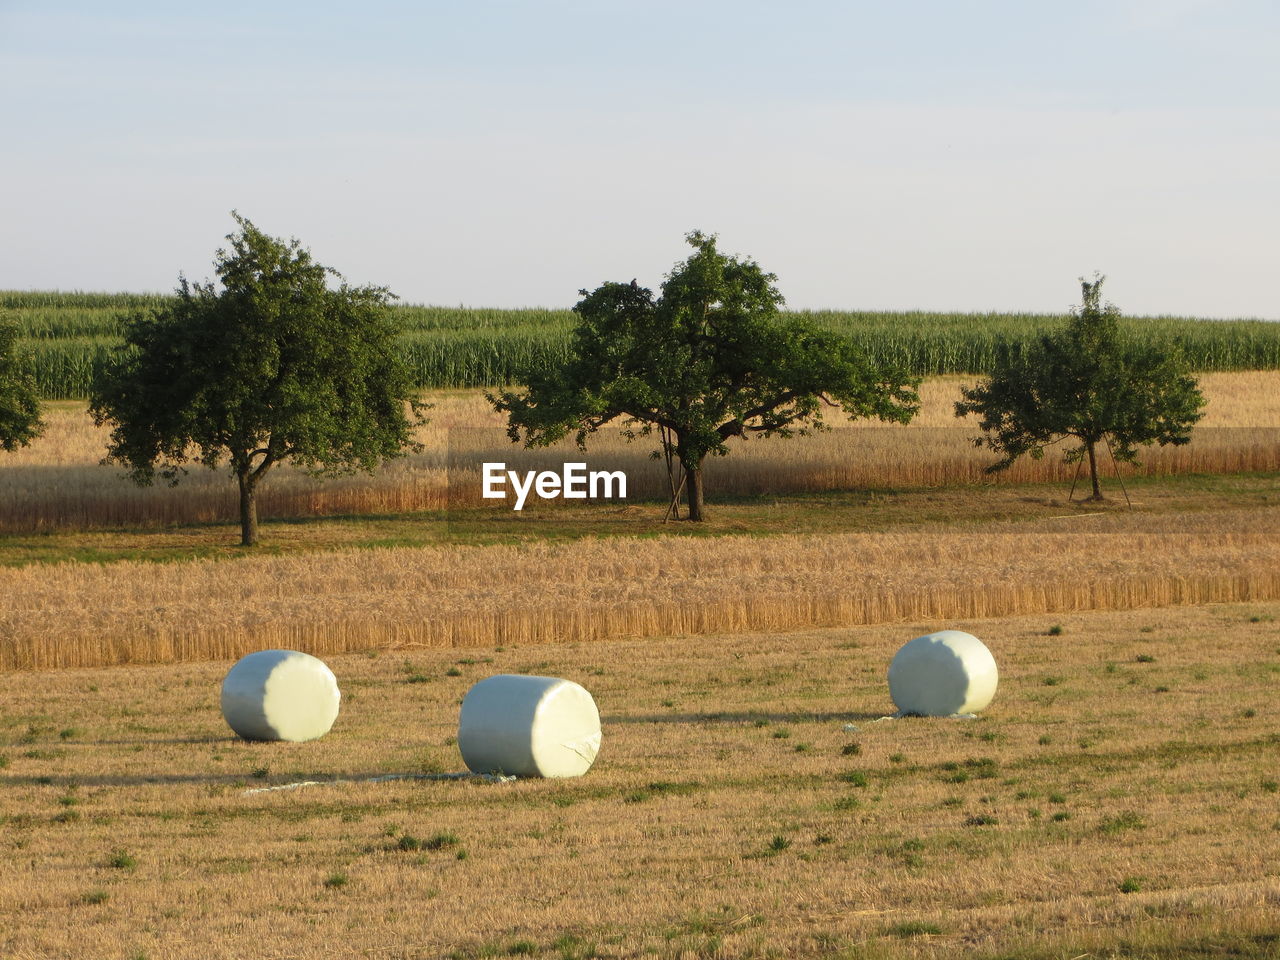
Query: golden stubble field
[(1118, 798), (57, 482), (86, 614)]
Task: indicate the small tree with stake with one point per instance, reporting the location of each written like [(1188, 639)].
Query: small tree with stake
[(275, 366), (708, 360), (1089, 383), (19, 408)]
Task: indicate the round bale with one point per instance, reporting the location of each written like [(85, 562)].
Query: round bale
[(943, 673), (528, 726), (280, 695)]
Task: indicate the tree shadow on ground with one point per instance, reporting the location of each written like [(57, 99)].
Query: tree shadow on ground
[(148, 742), (748, 716), (216, 779)]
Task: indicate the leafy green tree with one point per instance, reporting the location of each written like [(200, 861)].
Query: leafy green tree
[(709, 359), (1089, 383), (275, 366), (19, 408)]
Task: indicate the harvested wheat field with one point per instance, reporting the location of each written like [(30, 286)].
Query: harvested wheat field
[(77, 614), (1118, 798), (57, 483)]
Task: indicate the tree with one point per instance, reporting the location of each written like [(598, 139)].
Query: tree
[(274, 366), (710, 359), (1088, 382), (19, 408)]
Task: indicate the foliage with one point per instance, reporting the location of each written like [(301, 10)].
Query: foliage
[(273, 366), (708, 360), (1086, 382), (67, 333), (19, 409)]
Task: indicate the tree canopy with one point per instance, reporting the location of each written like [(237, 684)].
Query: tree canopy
[(19, 408), (273, 365), (709, 359), (1086, 382)]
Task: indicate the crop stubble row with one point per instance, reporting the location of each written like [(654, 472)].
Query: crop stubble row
[(75, 615)]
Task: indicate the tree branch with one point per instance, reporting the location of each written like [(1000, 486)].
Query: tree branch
[(761, 409)]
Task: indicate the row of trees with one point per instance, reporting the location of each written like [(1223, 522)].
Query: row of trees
[(712, 358), (282, 360)]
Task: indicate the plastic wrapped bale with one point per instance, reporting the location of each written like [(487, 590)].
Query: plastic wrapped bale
[(943, 673), (280, 695), (528, 727)]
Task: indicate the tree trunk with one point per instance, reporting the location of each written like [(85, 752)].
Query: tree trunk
[(694, 476), (1093, 472), (248, 510)]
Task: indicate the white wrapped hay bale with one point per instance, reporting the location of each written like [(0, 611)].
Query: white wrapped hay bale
[(943, 673), (280, 695), (528, 727)]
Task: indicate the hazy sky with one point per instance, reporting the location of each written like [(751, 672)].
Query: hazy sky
[(890, 155)]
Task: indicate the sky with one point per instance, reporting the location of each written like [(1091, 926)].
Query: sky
[(965, 155)]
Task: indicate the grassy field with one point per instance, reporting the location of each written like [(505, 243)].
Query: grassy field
[(58, 484), (67, 333), (1118, 799)]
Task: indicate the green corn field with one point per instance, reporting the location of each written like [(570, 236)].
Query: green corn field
[(66, 334)]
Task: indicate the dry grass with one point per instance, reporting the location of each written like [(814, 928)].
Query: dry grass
[(73, 614), (127, 826), (56, 483)]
